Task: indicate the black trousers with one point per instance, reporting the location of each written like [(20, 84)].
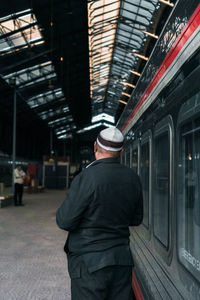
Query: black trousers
[(110, 283), (18, 193)]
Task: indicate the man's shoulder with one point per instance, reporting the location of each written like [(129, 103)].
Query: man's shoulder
[(84, 175), (106, 164), (130, 172)]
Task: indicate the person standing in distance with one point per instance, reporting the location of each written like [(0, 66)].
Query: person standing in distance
[(19, 184), (102, 202)]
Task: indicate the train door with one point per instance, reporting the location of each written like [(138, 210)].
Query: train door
[(188, 189), (146, 177), (163, 187)]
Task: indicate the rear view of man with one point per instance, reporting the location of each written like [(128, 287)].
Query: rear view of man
[(102, 202)]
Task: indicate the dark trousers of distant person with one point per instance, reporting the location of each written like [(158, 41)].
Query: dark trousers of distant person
[(109, 283), (18, 194)]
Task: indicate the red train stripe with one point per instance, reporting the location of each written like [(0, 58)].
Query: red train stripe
[(188, 30), (136, 288)]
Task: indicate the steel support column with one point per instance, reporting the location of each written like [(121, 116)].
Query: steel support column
[(14, 136)]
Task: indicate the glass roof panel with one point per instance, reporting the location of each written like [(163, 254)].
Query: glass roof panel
[(98, 4), (103, 116), (18, 31), (135, 17), (66, 136), (58, 120), (18, 39), (115, 45), (54, 112), (44, 98), (8, 25), (102, 28), (32, 75), (32, 34)]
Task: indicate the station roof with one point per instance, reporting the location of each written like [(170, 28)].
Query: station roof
[(44, 51), (75, 63)]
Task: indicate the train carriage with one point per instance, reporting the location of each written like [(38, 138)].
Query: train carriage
[(161, 124)]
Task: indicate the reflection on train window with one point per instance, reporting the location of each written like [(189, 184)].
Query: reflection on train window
[(123, 158), (161, 189), (134, 160), (128, 158), (144, 175), (189, 197)]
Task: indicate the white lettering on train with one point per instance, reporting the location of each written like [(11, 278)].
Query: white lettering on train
[(191, 259)]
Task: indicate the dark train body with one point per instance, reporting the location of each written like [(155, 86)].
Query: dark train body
[(161, 124)]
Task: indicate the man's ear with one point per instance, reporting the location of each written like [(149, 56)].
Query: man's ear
[(121, 151), (95, 147)]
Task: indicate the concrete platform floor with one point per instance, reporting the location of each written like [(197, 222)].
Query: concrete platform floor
[(33, 265)]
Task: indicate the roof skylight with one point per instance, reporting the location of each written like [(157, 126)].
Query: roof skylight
[(118, 31), (102, 18), (19, 31), (32, 75), (44, 98), (103, 116)]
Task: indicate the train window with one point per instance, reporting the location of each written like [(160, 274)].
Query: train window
[(189, 197), (134, 159), (144, 175), (161, 188)]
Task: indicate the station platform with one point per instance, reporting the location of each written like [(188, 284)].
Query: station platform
[(32, 262)]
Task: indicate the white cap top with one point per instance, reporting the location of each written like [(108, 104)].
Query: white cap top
[(110, 139)]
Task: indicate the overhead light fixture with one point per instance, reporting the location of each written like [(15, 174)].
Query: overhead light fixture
[(140, 56), (128, 84), (135, 73), (123, 102), (61, 59), (125, 94), (150, 34), (167, 3)]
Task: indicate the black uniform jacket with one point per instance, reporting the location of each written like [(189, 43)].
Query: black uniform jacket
[(102, 202)]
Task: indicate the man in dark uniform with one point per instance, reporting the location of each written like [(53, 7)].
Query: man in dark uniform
[(102, 202)]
